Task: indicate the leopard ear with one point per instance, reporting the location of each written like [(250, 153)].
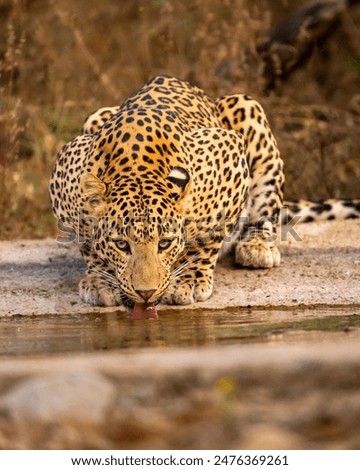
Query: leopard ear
[(180, 188), (93, 190), (179, 176)]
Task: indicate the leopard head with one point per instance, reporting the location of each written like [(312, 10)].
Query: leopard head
[(139, 224)]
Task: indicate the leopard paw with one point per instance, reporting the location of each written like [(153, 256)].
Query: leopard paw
[(96, 291), (257, 253), (183, 293)]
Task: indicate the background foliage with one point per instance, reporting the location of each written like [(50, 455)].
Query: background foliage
[(61, 59)]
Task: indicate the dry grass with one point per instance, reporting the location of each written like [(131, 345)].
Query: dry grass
[(60, 59)]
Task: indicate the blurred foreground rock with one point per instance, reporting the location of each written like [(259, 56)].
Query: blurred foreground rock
[(244, 397)]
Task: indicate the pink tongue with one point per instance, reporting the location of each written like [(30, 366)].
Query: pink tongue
[(144, 311)]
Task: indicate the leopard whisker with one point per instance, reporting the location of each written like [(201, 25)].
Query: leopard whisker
[(180, 269), (110, 278)]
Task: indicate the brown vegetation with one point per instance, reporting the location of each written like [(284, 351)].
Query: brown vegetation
[(60, 60)]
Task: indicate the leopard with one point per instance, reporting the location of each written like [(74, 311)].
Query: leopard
[(155, 190)]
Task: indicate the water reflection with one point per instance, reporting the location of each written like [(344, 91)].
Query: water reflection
[(114, 331)]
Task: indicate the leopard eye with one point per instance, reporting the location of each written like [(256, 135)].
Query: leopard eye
[(122, 245), (165, 243)]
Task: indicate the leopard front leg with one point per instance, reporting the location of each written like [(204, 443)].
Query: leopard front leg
[(99, 286), (257, 245), (193, 279), (256, 248), (95, 290)]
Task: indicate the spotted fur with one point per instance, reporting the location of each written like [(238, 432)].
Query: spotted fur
[(328, 209), (153, 190)]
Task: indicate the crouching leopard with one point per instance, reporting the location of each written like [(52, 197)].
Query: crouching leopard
[(156, 189)]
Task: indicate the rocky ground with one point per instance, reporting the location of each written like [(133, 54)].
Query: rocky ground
[(320, 266), (276, 395)]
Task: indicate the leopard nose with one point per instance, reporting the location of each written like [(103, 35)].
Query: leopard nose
[(145, 294)]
